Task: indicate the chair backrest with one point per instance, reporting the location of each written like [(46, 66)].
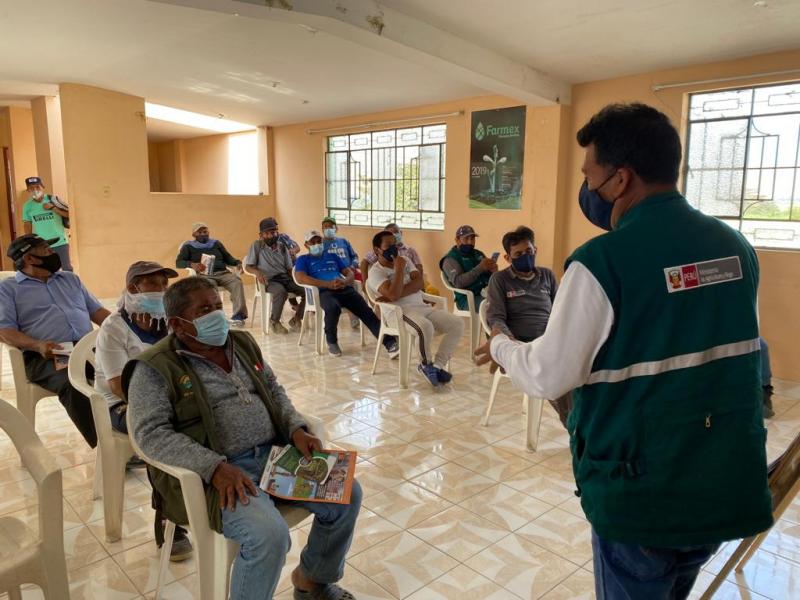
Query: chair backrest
[(482, 315), (391, 314), (47, 475), (259, 286), (82, 353)]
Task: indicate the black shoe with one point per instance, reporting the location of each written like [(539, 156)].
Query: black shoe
[(767, 397), (135, 462), (181, 547), (444, 376)]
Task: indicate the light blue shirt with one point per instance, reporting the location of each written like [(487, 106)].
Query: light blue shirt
[(59, 309), (341, 248)]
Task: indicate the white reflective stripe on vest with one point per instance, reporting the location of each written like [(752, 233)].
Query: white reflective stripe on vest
[(682, 361)]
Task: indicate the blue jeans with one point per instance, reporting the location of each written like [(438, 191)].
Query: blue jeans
[(633, 572), (263, 536)]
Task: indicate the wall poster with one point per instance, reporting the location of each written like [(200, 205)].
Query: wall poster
[(497, 152)]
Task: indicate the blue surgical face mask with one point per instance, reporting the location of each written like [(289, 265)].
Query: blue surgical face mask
[(466, 248), (212, 329), (316, 249), (398, 238), (329, 233), (524, 263), (594, 208)]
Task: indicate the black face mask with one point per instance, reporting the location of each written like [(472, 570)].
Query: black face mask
[(202, 238), (390, 253), (271, 241), (466, 248), (51, 262)]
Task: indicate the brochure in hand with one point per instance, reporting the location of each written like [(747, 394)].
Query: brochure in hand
[(326, 477)]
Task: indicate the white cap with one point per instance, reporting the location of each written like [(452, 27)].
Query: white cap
[(312, 234), (197, 226)]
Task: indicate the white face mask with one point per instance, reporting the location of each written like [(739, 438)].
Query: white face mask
[(38, 194)]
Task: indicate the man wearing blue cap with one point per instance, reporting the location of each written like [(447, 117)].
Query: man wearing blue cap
[(48, 217)]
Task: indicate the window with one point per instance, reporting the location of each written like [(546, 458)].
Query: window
[(743, 161), (243, 163), (390, 176)]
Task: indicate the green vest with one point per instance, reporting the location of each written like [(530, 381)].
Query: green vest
[(667, 436), (468, 262), (193, 415)]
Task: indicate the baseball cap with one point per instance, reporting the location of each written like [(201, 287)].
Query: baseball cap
[(29, 181), (198, 225), (24, 243), (312, 234), (147, 267), (465, 230), (329, 218), (267, 224)]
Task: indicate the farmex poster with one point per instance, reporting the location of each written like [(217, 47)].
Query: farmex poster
[(497, 152)]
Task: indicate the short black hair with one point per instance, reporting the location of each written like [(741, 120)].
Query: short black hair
[(520, 234), (636, 136), (177, 297), (391, 225), (377, 239)]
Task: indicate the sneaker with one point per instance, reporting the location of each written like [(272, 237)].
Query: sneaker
[(334, 349), (394, 350), (181, 547), (431, 373), (294, 323), (355, 322), (444, 376), (238, 320), (277, 327)]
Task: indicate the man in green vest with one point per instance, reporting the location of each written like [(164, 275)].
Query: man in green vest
[(48, 217), (204, 399), (655, 326), (467, 268)]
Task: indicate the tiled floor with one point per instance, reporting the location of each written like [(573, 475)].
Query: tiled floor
[(452, 510)]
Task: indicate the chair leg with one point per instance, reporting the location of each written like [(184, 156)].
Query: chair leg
[(97, 489), (319, 333), (303, 325), (113, 497), (492, 394), (533, 423), (377, 352), (163, 561), (471, 338), (26, 404), (266, 309)]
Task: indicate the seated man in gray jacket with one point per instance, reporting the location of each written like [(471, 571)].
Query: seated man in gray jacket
[(204, 399), (520, 297)]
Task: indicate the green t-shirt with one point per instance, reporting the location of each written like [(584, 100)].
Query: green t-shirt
[(47, 224)]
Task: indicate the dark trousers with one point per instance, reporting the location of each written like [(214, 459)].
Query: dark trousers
[(629, 571), (333, 301), (280, 287), (42, 371), (118, 414)]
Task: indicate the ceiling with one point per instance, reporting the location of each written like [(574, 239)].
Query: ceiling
[(273, 69), (163, 131), (585, 40)]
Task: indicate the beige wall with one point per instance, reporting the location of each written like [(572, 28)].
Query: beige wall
[(47, 130), (204, 164), (780, 271), (552, 180), (116, 218), (300, 191)]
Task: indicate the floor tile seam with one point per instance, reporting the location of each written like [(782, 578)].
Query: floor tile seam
[(372, 580)]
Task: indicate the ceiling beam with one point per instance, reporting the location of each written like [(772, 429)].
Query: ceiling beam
[(385, 30)]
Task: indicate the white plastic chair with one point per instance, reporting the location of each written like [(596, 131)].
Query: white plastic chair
[(392, 323), (266, 301), (313, 311), (531, 406), (470, 314), (214, 553), (28, 394), (113, 448), (4, 275), (25, 558)]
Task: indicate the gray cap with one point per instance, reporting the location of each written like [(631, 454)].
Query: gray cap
[(147, 267), (267, 224)]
